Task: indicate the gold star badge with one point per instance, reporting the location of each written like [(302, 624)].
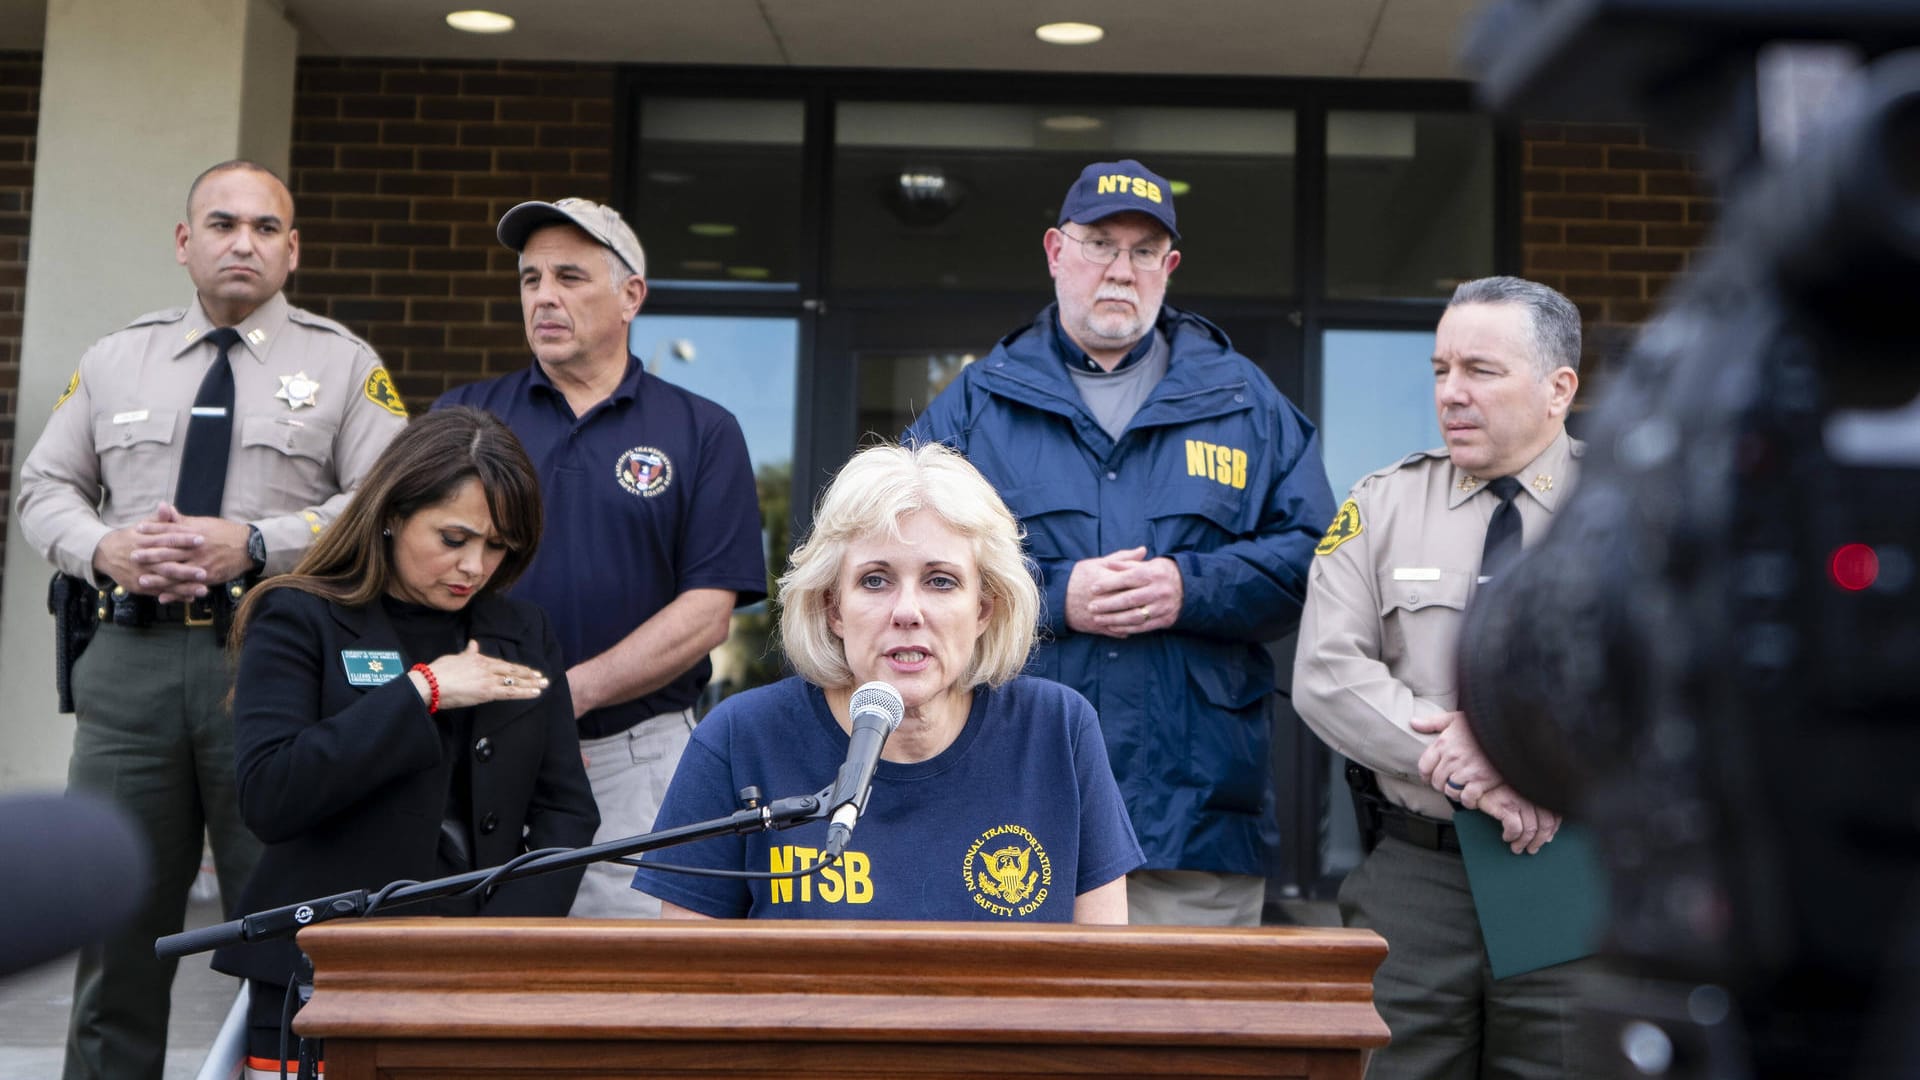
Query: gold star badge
[(375, 665), (1468, 483), (1543, 483), (297, 390)]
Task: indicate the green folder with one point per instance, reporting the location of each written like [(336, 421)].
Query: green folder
[(1535, 910)]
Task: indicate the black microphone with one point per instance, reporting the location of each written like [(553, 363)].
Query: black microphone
[(76, 870), (876, 710)]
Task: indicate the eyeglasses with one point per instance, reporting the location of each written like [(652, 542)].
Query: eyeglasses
[(1100, 251)]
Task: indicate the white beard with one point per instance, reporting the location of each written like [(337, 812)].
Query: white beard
[(1117, 329)]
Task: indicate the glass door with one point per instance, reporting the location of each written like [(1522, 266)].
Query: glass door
[(750, 366)]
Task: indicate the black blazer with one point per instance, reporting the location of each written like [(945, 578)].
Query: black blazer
[(347, 785)]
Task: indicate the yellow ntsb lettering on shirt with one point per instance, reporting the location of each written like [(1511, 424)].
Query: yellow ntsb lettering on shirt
[(1220, 463), (849, 881)]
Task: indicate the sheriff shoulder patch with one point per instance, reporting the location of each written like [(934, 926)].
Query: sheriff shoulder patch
[(1346, 525), (72, 385), (380, 391)]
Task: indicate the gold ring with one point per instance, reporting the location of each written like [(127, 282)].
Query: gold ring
[(1145, 613)]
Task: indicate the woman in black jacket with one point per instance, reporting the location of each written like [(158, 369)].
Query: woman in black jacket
[(397, 717)]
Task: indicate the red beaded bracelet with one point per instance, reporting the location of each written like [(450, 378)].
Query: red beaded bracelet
[(433, 687)]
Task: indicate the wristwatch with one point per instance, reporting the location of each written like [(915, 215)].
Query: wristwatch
[(257, 549)]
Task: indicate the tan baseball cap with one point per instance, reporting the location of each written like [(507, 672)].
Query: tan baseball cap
[(603, 223)]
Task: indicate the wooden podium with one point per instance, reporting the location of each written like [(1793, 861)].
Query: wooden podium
[(413, 999)]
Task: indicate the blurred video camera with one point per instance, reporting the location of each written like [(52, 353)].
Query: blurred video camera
[(1714, 657)]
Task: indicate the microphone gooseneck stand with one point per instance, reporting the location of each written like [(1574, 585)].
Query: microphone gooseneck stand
[(285, 921), (292, 918), (876, 711)]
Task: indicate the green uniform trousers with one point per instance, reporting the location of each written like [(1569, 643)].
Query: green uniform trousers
[(153, 734), (1450, 1018)]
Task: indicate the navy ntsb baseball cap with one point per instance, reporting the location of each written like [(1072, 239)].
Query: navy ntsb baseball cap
[(1106, 188)]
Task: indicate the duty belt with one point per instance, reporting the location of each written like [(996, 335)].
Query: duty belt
[(214, 609), (1378, 817), (1419, 830)]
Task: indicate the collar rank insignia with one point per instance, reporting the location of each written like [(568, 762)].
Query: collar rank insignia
[(297, 390), (1543, 483), (1468, 483)]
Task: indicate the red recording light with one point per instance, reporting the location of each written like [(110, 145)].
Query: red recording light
[(1854, 567)]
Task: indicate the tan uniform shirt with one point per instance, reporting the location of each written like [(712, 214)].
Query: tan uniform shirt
[(313, 408), (1385, 596)]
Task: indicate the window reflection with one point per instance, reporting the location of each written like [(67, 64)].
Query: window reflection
[(748, 365), (956, 197), (1376, 402), (718, 192), (896, 386), (1409, 203)]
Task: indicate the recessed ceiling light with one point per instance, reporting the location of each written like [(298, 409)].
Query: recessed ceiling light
[(750, 273), (480, 22), (702, 266), (1072, 122), (669, 176), (1069, 33), (1180, 187), (712, 228)]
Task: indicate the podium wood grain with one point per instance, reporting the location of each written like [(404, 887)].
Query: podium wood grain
[(424, 999)]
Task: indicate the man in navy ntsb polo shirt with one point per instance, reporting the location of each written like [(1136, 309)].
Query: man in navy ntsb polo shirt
[(652, 524)]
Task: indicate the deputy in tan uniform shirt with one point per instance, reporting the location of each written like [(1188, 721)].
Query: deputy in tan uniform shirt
[(1374, 677), (1388, 586), (312, 409)]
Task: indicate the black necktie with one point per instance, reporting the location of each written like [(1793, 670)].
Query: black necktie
[(203, 464), (1503, 531)]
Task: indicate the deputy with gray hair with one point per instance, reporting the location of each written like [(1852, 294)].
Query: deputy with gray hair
[(1374, 677)]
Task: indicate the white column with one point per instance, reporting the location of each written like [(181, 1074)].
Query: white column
[(136, 98)]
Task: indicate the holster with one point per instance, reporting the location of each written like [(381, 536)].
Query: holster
[(1368, 804), (77, 607)]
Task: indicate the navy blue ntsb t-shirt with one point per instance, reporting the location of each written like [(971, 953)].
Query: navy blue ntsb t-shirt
[(648, 495), (1010, 823)]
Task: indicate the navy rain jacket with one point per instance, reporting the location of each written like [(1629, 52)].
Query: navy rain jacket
[(1217, 470)]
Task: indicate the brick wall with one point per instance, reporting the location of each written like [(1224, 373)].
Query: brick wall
[(1610, 221), (401, 168), (19, 119)]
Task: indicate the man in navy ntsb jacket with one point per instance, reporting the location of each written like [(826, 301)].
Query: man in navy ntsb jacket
[(1173, 499)]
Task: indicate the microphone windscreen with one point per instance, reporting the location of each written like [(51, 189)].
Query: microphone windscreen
[(75, 871), (881, 696)]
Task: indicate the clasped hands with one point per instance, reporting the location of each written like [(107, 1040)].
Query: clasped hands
[(1124, 594), (1457, 768), (172, 557)]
